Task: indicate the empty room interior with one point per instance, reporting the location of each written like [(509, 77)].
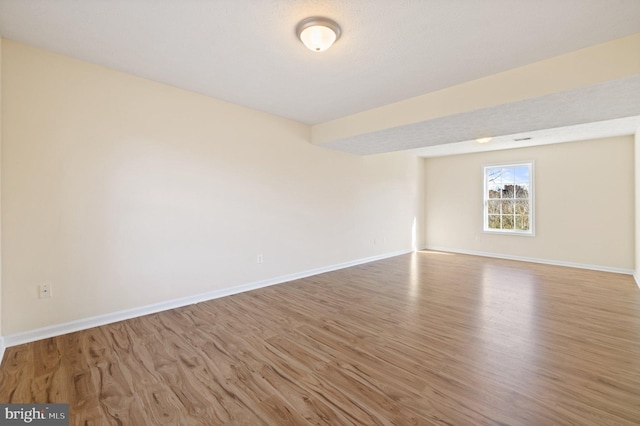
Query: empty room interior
[(320, 212)]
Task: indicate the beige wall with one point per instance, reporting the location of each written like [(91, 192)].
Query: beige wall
[(123, 192), (584, 203)]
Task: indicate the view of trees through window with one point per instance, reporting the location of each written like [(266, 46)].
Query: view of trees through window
[(507, 196)]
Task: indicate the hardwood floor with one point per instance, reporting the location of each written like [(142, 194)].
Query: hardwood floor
[(428, 338)]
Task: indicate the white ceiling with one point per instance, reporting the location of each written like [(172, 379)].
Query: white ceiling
[(246, 51)]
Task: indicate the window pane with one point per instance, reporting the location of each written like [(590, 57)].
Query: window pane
[(507, 222), (522, 191), (522, 207), (494, 221), (494, 191), (507, 207), (494, 207), (522, 175), (508, 192), (493, 175), (507, 174), (522, 223)]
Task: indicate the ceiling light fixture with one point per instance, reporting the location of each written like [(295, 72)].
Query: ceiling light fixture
[(483, 140), (318, 33)]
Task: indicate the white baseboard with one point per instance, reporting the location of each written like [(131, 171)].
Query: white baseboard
[(534, 260), (637, 278), (2, 348), (96, 321)]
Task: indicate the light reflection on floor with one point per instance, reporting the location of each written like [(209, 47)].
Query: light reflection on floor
[(507, 320)]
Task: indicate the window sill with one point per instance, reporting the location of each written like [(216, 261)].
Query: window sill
[(517, 234)]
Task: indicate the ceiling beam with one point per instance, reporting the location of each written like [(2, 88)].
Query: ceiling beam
[(584, 68)]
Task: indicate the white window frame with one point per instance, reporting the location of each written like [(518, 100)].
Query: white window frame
[(485, 197)]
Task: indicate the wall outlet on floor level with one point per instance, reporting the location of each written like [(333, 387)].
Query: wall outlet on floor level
[(259, 259), (44, 290)]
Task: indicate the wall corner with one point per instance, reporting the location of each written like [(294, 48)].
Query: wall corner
[(636, 151)]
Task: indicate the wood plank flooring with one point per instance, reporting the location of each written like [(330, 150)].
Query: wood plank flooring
[(427, 338)]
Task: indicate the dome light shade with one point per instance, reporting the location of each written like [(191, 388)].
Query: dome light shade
[(483, 140), (318, 34)]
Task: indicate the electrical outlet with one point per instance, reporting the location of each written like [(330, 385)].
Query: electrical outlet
[(44, 290), (259, 259)]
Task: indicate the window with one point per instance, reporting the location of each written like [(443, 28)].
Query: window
[(508, 198)]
